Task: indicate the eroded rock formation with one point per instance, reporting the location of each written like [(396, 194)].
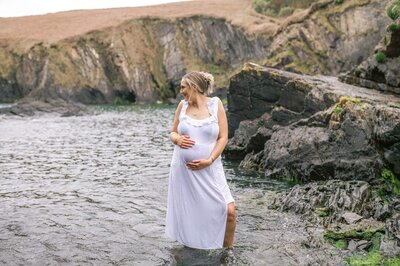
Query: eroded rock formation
[(143, 59), (340, 141), (381, 70), (313, 128)]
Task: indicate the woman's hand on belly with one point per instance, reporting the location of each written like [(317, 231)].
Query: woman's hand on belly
[(199, 164), (185, 142)]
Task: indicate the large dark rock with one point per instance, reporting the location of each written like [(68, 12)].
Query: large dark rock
[(311, 128), (30, 107), (255, 91), (336, 203), (341, 141), (391, 42), (332, 200), (374, 75), (249, 137), (385, 75)]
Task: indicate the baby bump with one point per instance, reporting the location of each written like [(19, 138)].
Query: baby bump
[(196, 152)]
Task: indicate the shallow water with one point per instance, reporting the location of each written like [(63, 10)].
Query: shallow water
[(92, 190), (5, 105)]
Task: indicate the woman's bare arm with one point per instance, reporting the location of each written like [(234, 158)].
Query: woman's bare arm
[(174, 130), (182, 141)]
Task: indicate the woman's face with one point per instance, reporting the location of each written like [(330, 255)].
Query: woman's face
[(186, 91)]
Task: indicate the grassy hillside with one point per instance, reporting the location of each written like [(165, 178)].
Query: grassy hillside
[(280, 8)]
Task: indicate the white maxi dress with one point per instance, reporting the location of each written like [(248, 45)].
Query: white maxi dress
[(197, 199)]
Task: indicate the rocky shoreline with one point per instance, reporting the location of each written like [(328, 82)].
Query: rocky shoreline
[(340, 143), (30, 107)]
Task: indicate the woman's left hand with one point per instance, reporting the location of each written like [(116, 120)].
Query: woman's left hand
[(199, 164)]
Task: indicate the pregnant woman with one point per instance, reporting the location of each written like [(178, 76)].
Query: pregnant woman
[(200, 210)]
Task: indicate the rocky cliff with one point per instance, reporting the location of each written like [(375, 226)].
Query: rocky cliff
[(381, 70), (143, 59), (328, 37), (342, 141), (313, 128)]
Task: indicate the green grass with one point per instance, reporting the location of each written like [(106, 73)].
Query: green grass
[(390, 181), (338, 110), (393, 10), (380, 57), (393, 27), (54, 46), (373, 258), (280, 8), (341, 244), (376, 242)]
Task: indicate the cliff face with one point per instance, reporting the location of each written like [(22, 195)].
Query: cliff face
[(144, 59), (381, 70), (328, 38)]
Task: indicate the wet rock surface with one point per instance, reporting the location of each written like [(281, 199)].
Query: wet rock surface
[(31, 107), (340, 142), (351, 212), (313, 128)]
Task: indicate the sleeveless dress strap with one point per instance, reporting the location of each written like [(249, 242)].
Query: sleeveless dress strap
[(183, 109), (214, 107)]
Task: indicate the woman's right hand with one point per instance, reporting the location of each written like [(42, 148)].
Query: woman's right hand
[(184, 141)]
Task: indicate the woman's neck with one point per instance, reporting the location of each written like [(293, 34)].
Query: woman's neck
[(197, 100)]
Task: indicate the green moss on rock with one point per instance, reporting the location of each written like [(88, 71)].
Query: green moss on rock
[(376, 242), (366, 234), (373, 258), (338, 110), (341, 244), (279, 8), (9, 63), (391, 184), (365, 229), (322, 211)]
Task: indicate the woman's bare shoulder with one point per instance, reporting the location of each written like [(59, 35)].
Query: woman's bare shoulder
[(178, 109), (220, 104)]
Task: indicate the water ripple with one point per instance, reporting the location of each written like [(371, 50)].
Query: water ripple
[(92, 190)]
